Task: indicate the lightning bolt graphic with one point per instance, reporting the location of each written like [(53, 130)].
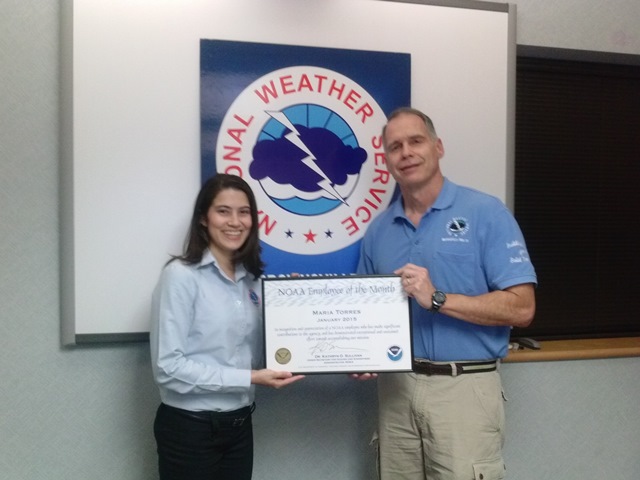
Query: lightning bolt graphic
[(310, 160)]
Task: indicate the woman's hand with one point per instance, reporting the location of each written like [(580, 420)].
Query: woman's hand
[(272, 378)]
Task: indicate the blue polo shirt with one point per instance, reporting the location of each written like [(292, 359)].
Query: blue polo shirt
[(471, 244)]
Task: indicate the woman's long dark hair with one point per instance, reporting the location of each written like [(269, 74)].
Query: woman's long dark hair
[(198, 238)]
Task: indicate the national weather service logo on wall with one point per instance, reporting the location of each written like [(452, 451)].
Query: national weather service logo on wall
[(308, 140)]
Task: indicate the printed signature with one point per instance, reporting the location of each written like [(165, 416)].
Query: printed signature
[(326, 346)]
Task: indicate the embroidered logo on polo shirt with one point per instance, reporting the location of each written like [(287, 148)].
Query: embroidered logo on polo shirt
[(457, 227), (255, 299)]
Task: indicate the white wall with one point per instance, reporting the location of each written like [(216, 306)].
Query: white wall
[(600, 26), (84, 413)]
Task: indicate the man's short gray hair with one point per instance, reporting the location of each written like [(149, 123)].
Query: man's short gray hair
[(411, 111)]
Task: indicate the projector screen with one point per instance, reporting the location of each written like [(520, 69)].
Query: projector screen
[(130, 166)]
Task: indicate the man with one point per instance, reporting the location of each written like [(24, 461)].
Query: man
[(464, 263)]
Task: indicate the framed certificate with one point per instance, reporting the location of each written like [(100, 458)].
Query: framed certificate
[(337, 324)]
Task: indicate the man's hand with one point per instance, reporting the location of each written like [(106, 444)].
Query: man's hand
[(363, 376), (417, 283)]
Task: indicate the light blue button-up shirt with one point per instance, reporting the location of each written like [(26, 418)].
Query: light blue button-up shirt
[(206, 336)]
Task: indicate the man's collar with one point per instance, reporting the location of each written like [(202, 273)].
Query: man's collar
[(444, 200)]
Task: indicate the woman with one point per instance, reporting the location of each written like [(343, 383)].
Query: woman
[(206, 339)]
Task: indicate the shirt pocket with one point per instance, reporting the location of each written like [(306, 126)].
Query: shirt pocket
[(457, 272), (491, 470)]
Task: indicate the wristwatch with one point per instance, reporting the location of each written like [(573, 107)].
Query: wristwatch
[(437, 300)]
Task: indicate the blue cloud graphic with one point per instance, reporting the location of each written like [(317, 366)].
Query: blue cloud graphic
[(280, 159)]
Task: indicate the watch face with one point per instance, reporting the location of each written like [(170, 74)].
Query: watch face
[(439, 297)]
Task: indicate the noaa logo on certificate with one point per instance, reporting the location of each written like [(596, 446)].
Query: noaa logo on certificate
[(394, 353), (308, 142)]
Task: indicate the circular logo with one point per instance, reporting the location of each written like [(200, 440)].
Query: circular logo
[(283, 356), (308, 141), (394, 353), (458, 226)]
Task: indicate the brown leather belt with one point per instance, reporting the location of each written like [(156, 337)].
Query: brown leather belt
[(453, 369)]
